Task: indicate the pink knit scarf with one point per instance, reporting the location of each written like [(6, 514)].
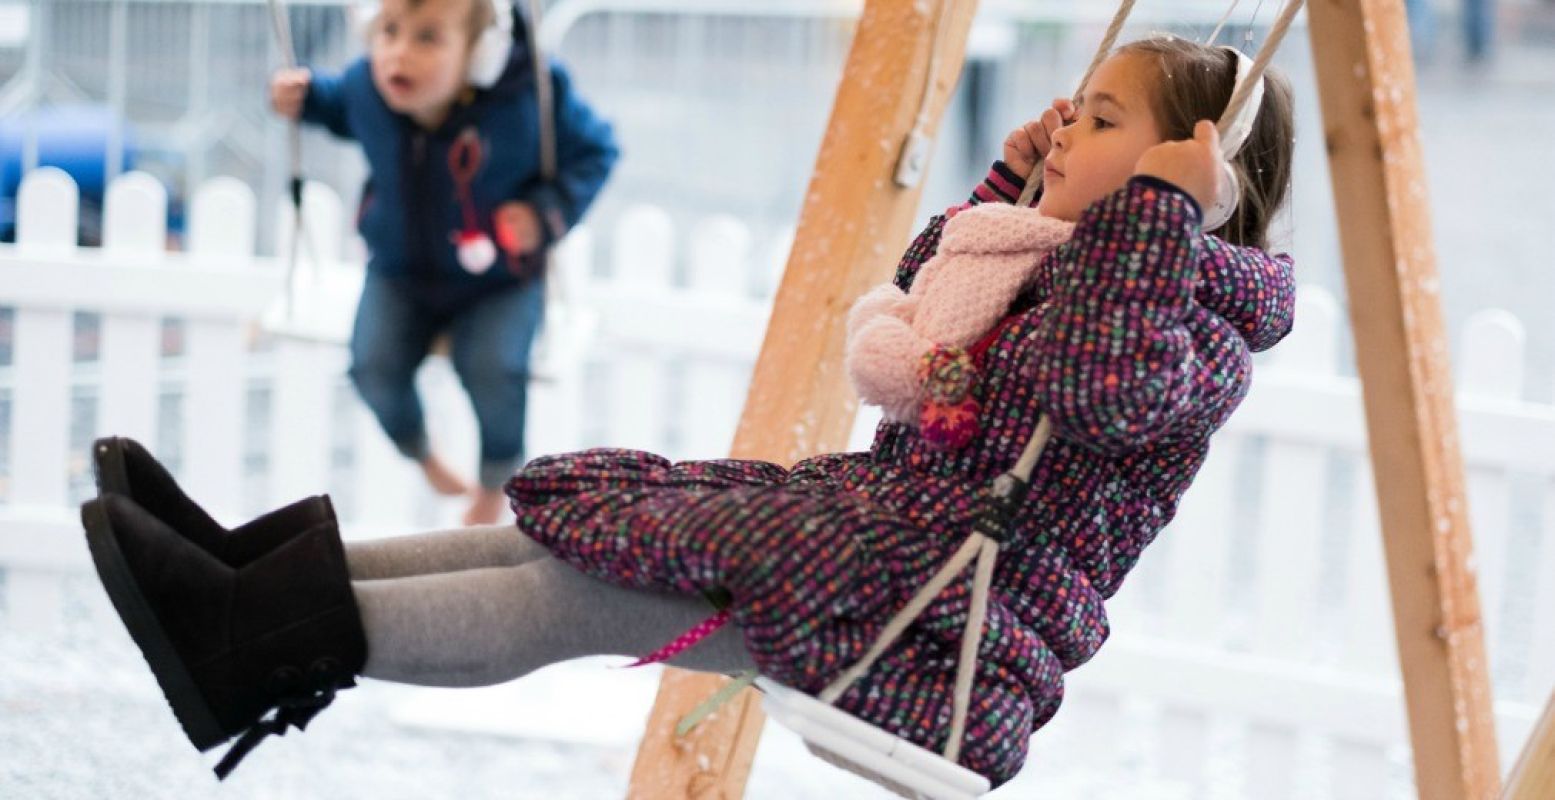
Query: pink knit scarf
[(908, 352)]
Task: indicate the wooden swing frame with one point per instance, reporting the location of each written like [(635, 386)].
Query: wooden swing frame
[(851, 229)]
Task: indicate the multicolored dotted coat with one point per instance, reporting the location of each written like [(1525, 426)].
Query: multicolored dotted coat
[(1136, 340)]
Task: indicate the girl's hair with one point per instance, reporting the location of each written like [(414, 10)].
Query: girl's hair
[(1195, 82)]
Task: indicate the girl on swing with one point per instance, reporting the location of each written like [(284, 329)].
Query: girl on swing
[(1115, 308)]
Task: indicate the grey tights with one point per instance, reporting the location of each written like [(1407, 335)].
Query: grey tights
[(484, 605)]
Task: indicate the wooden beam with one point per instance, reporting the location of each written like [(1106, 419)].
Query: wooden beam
[(1534, 776), (854, 224), (1367, 86)]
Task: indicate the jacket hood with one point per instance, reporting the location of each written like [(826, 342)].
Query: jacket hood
[(1257, 296)]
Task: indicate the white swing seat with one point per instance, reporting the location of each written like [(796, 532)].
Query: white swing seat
[(322, 309), (869, 752)]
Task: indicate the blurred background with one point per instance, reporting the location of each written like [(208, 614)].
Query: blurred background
[(1253, 654)]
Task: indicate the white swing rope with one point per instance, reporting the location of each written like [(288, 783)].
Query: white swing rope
[(1009, 490), (542, 95), (1219, 26), (555, 289), (281, 25)]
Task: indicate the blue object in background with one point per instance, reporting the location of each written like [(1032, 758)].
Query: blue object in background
[(72, 138)]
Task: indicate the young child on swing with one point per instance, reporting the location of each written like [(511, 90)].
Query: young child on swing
[(444, 107), (1127, 324)]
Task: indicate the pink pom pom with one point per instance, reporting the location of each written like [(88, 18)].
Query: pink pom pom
[(476, 252), (882, 361), (949, 427)]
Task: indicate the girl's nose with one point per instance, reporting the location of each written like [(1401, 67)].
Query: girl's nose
[(1061, 138)]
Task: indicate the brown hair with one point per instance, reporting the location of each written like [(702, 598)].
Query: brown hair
[(1195, 82)]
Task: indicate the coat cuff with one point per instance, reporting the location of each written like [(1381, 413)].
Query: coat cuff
[(1167, 186), (1001, 186), (551, 206)]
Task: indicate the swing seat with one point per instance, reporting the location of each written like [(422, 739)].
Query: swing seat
[(322, 309), (869, 752)]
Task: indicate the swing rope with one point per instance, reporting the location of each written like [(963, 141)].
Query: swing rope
[(281, 25), (1271, 43)]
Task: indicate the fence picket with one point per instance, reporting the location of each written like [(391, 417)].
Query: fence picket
[(47, 205), (1271, 762), (134, 224), (1291, 509), (135, 215), (1540, 680), (1360, 771), (714, 391), (47, 209), (303, 396), (769, 271), (1197, 558), (1183, 733), (221, 219), (643, 265), (1492, 356), (214, 399), (1368, 642), (644, 248)]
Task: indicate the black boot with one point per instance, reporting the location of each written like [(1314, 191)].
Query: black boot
[(124, 467), (229, 644)]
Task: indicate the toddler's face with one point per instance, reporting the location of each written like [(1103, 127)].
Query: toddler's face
[(1095, 155), (420, 56)]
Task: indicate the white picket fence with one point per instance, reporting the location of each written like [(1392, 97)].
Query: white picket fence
[(1253, 652)]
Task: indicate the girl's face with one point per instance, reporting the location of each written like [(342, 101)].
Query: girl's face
[(1094, 156), (420, 55)]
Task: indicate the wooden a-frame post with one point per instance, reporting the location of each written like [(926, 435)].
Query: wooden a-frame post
[(851, 230), (799, 403), (1367, 85)]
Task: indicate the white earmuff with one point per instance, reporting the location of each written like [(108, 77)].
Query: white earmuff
[(1231, 141), (364, 15), (489, 55)]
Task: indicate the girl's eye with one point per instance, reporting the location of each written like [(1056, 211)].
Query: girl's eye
[(426, 37), (1100, 123), (390, 29)]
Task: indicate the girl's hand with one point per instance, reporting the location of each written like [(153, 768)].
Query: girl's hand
[(518, 228), (288, 89), (1030, 142), (1192, 165)]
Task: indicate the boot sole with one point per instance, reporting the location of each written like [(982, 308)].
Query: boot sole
[(178, 686)]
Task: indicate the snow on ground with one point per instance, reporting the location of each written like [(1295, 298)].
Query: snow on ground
[(81, 717)]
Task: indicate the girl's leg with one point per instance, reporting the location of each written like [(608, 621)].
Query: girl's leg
[(441, 551), (486, 626)]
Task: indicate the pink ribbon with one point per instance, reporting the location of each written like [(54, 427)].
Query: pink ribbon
[(686, 640)]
